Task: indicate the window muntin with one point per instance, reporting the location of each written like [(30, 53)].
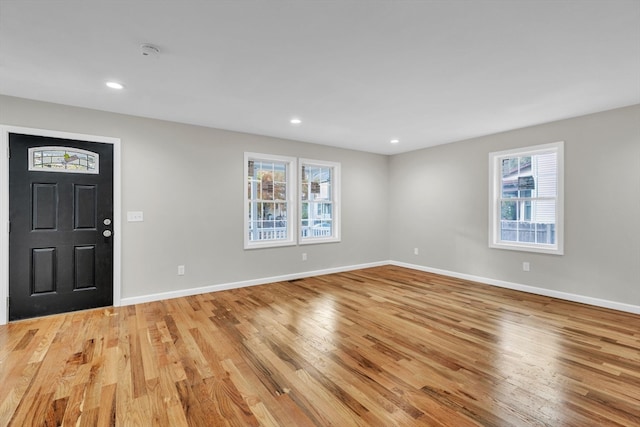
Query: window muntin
[(63, 159), (319, 201), (269, 210), (526, 199)]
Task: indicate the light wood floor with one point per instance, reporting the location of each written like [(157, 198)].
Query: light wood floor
[(384, 346)]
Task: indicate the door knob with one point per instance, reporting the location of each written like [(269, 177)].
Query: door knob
[(106, 233)]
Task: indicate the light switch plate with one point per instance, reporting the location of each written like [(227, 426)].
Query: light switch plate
[(135, 216)]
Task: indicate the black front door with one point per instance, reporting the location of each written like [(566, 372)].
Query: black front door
[(61, 220)]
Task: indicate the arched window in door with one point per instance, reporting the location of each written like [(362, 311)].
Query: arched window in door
[(63, 159)]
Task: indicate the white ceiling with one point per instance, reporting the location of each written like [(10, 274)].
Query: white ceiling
[(358, 73)]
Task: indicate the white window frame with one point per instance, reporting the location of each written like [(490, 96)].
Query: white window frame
[(495, 179), (291, 183), (335, 202)]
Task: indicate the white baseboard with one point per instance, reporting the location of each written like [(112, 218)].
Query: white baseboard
[(526, 288), (243, 284), (629, 308)]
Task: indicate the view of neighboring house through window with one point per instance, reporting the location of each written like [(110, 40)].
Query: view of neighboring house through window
[(319, 201), (269, 211), (526, 199)]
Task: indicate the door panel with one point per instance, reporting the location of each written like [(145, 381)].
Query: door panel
[(59, 260), (85, 267), (85, 203), (45, 206), (43, 266)]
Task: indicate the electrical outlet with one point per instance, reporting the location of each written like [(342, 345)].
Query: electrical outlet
[(415, 251), (181, 270), (526, 266), (304, 256)]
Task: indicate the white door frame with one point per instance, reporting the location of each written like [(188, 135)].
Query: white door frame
[(4, 207)]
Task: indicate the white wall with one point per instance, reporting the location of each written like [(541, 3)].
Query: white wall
[(189, 183), (439, 203)]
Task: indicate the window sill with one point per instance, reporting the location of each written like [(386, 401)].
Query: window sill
[(544, 249), (317, 241), (266, 245)]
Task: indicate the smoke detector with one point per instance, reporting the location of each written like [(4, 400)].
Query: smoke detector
[(149, 50)]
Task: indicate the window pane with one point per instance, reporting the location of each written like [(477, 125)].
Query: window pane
[(322, 228), (319, 179), (543, 211), (251, 211), (267, 186), (509, 166), (546, 166), (526, 232), (325, 191), (280, 191), (546, 233), (509, 181), (279, 174), (267, 197), (510, 188), (317, 198), (509, 231), (280, 210), (325, 210), (508, 210)]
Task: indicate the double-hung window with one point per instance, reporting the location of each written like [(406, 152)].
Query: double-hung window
[(270, 207), (526, 199), (319, 201)]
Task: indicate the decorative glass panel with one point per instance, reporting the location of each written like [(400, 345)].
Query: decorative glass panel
[(63, 159)]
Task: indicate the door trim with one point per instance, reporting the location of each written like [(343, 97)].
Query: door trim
[(4, 207)]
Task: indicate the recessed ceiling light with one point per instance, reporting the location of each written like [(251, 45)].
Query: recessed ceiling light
[(115, 85), (394, 141), (295, 121)]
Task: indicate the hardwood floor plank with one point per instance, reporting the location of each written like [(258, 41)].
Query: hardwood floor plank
[(384, 346), (73, 409), (55, 413), (107, 408)]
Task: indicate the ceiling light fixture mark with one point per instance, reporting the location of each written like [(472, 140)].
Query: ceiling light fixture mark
[(149, 50), (395, 141), (295, 121)]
